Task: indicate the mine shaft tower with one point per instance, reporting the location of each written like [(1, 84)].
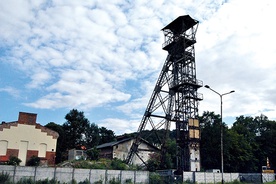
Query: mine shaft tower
[(175, 97)]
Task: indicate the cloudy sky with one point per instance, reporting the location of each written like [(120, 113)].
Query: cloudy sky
[(103, 57)]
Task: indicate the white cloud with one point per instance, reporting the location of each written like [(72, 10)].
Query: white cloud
[(120, 126), (86, 54), (11, 91)]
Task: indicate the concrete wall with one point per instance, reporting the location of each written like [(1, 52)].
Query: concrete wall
[(213, 177), (66, 175), (206, 177)]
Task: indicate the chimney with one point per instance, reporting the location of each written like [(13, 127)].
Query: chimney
[(27, 118)]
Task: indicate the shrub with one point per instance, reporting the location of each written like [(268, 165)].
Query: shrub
[(4, 177), (98, 182), (84, 182), (25, 181), (13, 160), (118, 164), (93, 154), (155, 178), (47, 181), (114, 181), (33, 161), (128, 181)]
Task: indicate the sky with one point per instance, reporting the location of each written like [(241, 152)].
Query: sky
[(103, 57)]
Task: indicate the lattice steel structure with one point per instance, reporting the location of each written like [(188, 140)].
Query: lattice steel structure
[(175, 97)]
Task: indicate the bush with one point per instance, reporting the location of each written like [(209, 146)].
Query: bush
[(114, 181), (93, 154), (98, 182), (33, 161), (118, 164), (25, 181), (128, 181), (155, 178), (13, 160), (4, 177), (47, 181), (84, 182)]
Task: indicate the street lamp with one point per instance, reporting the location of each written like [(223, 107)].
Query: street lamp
[(221, 127)]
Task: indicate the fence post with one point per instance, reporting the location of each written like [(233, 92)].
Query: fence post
[(105, 181), (55, 173), (14, 171), (73, 174), (120, 176), (35, 173), (134, 177), (90, 175)]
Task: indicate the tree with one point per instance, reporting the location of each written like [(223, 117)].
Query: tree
[(266, 140), (75, 128), (92, 136), (210, 140), (245, 153), (106, 135), (61, 144)]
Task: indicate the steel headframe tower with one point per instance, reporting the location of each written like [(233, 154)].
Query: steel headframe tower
[(175, 97)]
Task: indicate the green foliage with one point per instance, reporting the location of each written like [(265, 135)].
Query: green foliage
[(47, 181), (13, 160), (86, 181), (74, 181), (98, 182), (114, 181), (92, 135), (4, 178), (106, 135), (154, 162), (118, 164), (33, 161), (74, 128), (25, 181), (61, 144), (93, 154), (128, 181), (155, 178), (115, 164), (247, 144)]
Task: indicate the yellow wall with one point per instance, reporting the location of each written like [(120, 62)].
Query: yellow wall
[(27, 133), (35, 138)]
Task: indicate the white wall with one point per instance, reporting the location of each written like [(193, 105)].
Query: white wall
[(28, 133)]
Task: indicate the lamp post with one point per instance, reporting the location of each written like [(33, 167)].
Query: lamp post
[(221, 127)]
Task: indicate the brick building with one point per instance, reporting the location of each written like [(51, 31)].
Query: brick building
[(26, 138)]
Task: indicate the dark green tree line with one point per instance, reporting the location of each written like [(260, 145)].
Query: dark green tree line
[(77, 132), (247, 144)]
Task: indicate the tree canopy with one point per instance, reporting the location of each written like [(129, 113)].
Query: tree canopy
[(77, 132), (247, 143)]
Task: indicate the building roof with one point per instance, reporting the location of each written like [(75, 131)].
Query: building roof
[(181, 24), (114, 143)]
